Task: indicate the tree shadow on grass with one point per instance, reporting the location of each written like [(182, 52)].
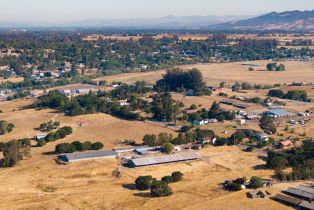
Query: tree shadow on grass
[(260, 167), (49, 153), (143, 194), (129, 186), (264, 158)]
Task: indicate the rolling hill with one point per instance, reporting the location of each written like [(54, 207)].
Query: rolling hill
[(290, 20)]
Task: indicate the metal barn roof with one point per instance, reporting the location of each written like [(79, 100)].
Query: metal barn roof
[(72, 157), (287, 199), (126, 149), (306, 189), (307, 205), (278, 112), (184, 156), (299, 193)]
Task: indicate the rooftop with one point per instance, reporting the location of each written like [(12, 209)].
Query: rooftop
[(129, 148), (278, 112), (183, 156), (299, 193), (71, 157)]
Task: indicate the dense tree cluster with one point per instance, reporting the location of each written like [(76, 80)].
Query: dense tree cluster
[(77, 146), (275, 67), (299, 158), (158, 188), (299, 95), (20, 94), (49, 126), (180, 80), (164, 108), (61, 133), (267, 124), (14, 151), (84, 104)]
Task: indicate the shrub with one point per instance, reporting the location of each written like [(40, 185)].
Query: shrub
[(87, 145), (167, 179), (256, 182), (167, 148), (41, 143), (160, 189), (97, 146), (5, 127), (233, 186), (177, 176), (78, 146), (144, 182), (65, 148)]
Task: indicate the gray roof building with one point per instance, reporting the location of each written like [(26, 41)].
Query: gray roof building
[(299, 194), (129, 149), (291, 201), (306, 205), (178, 157), (277, 113), (73, 157), (40, 136)]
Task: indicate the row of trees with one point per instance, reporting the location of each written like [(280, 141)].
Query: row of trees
[(77, 146), (20, 94), (188, 136), (299, 95), (61, 133)]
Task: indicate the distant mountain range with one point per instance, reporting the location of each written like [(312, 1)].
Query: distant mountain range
[(290, 20), (168, 22)]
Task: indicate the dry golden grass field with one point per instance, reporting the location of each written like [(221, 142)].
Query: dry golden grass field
[(12, 79), (296, 71), (41, 183)]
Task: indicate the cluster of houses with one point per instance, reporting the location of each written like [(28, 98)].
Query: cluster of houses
[(77, 91), (204, 122)]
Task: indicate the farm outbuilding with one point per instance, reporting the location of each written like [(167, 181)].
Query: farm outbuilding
[(130, 149), (305, 205), (40, 136), (290, 201), (74, 157), (163, 159), (278, 113), (296, 192)]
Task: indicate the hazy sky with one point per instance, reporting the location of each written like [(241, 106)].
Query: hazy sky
[(73, 10)]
